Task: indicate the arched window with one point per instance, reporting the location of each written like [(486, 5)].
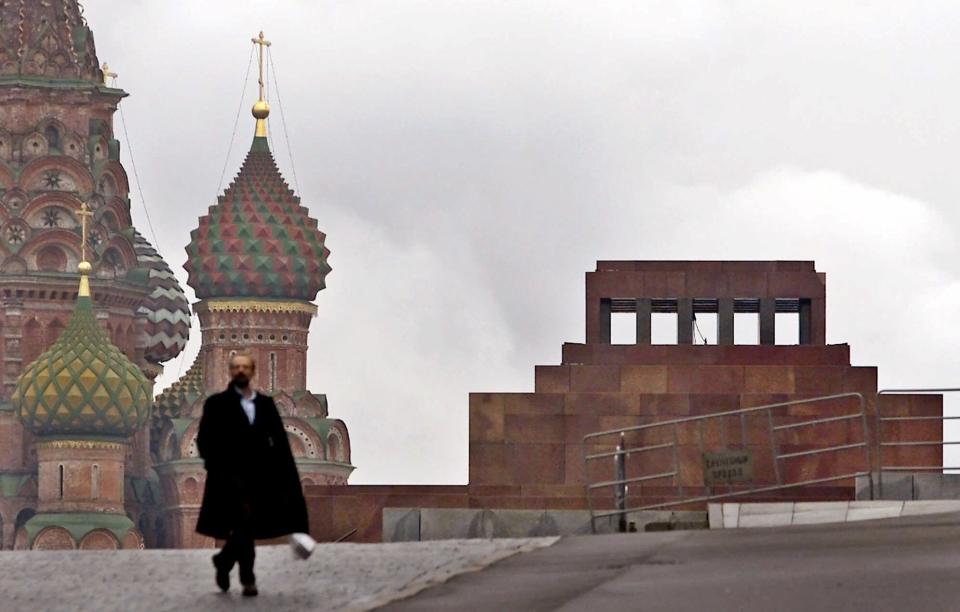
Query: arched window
[(54, 329), (111, 264), (22, 517), (334, 447), (51, 259), (108, 186), (32, 344), (52, 136)]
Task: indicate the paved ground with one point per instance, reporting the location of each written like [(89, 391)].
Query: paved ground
[(336, 577), (897, 564)]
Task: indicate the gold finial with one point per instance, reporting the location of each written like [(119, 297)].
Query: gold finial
[(107, 74), (84, 267), (261, 110)]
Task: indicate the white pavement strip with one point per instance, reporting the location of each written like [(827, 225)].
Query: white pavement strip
[(336, 577), (783, 514)]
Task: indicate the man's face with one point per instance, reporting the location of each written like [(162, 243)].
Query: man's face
[(241, 371)]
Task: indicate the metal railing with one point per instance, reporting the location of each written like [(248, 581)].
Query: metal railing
[(883, 442), (670, 443)]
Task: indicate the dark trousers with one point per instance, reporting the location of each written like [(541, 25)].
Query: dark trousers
[(239, 548)]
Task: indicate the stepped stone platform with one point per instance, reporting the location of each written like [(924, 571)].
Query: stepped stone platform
[(526, 450), (336, 577)]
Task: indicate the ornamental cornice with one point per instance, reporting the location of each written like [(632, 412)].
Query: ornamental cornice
[(212, 305), (83, 445)]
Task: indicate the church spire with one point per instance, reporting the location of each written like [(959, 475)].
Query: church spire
[(261, 110)]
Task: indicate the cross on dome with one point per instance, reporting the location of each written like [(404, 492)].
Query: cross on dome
[(261, 110), (84, 267)]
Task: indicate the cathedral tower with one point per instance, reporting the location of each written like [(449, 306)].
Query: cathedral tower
[(256, 262), (58, 150), (82, 400)]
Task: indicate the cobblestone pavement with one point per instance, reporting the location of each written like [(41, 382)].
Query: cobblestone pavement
[(336, 577)]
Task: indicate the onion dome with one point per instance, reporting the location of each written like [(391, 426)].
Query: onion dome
[(166, 308), (47, 40), (83, 385), (258, 241), (181, 394)]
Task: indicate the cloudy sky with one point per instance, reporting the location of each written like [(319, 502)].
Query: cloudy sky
[(469, 161)]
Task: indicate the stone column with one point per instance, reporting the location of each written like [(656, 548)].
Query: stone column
[(604, 322), (768, 321), (644, 326), (12, 349), (805, 330), (11, 448), (685, 321), (9, 534), (725, 320)]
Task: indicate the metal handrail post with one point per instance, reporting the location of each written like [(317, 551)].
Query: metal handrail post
[(866, 445), (879, 420), (774, 447), (586, 478), (620, 494)]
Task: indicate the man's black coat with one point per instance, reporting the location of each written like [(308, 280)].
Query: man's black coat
[(248, 464)]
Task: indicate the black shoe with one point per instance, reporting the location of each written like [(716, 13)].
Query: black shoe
[(250, 590), (223, 576)]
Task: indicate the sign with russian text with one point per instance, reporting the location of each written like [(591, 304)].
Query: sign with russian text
[(727, 466)]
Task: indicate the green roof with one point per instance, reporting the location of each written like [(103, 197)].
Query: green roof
[(80, 524), (83, 385), (11, 483)]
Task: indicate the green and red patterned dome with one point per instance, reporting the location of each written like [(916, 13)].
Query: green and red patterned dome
[(257, 241), (83, 386)]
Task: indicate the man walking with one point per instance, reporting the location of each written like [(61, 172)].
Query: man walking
[(253, 487)]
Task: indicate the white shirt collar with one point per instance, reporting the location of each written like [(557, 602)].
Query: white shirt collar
[(242, 396), (248, 405)]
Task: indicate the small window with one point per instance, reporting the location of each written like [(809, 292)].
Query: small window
[(663, 328), (746, 328), (705, 329), (623, 328), (52, 136), (788, 328)]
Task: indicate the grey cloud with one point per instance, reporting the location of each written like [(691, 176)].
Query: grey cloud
[(469, 161)]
